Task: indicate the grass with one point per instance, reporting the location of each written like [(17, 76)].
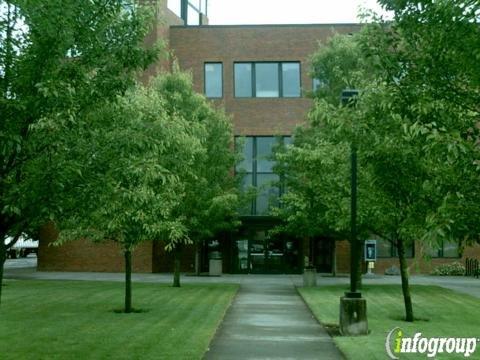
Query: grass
[(441, 313), (76, 320)]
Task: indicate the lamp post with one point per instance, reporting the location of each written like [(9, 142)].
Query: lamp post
[(348, 99), (353, 308)]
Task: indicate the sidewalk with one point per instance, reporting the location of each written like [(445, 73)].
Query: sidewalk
[(25, 269), (270, 322)]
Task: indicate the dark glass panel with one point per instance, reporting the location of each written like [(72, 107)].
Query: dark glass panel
[(247, 163), (267, 193), (264, 153)]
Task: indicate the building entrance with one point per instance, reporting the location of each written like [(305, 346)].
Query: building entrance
[(258, 253)]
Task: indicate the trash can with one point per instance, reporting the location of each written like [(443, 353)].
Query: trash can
[(215, 263), (309, 277)]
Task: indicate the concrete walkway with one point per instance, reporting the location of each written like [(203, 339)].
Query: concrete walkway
[(270, 321), (26, 269)]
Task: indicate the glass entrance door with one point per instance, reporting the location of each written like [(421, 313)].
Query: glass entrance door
[(254, 252), (257, 253), (275, 255), (266, 254)]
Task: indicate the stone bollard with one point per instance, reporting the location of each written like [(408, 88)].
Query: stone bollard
[(353, 316), (310, 277)]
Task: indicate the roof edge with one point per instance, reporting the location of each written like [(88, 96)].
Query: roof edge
[(266, 25)]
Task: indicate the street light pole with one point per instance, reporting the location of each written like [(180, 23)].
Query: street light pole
[(348, 99), (354, 261), (353, 309)]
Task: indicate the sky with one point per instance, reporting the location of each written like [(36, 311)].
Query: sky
[(223, 12)]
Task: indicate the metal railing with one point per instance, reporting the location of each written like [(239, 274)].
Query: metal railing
[(472, 267)]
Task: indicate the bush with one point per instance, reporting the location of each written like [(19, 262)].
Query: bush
[(453, 269)]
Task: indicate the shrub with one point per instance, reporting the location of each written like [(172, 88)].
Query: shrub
[(453, 269)]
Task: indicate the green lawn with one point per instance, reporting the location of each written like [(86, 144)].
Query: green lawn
[(443, 313), (76, 320)]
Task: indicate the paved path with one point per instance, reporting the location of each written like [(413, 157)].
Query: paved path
[(25, 269), (270, 321)]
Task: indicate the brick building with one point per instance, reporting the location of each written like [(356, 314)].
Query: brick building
[(259, 74)]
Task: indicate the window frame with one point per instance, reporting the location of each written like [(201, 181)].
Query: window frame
[(280, 189), (205, 79), (393, 251), (441, 252), (280, 79)]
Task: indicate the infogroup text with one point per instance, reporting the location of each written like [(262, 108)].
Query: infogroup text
[(397, 343)]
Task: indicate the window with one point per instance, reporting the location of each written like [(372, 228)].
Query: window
[(213, 80), (257, 167), (193, 8), (447, 249), (266, 82), (319, 84), (243, 80), (291, 79), (193, 15), (175, 6), (267, 79), (387, 249)]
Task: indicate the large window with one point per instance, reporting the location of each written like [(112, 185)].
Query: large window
[(175, 6), (388, 249), (447, 249), (257, 168), (192, 11), (267, 79), (213, 80), (291, 79), (243, 80)]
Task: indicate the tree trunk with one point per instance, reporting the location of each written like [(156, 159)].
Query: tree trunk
[(405, 286), (176, 268), (128, 281), (309, 263), (197, 258), (3, 257), (334, 258)]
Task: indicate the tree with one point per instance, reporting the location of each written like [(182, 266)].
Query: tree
[(211, 194), (394, 199), (316, 170), (428, 60), (431, 53), (58, 60), (140, 160)]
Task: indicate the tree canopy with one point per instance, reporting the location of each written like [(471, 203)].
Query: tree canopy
[(414, 124), (58, 61)]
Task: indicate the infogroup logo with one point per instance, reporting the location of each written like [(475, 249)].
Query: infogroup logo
[(397, 343)]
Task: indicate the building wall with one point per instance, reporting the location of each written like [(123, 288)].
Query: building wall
[(163, 260), (164, 18), (84, 255), (417, 265), (193, 46)]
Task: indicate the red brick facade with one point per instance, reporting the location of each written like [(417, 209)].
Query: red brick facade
[(192, 46), (417, 265)]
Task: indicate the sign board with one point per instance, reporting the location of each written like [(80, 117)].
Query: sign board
[(370, 250)]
